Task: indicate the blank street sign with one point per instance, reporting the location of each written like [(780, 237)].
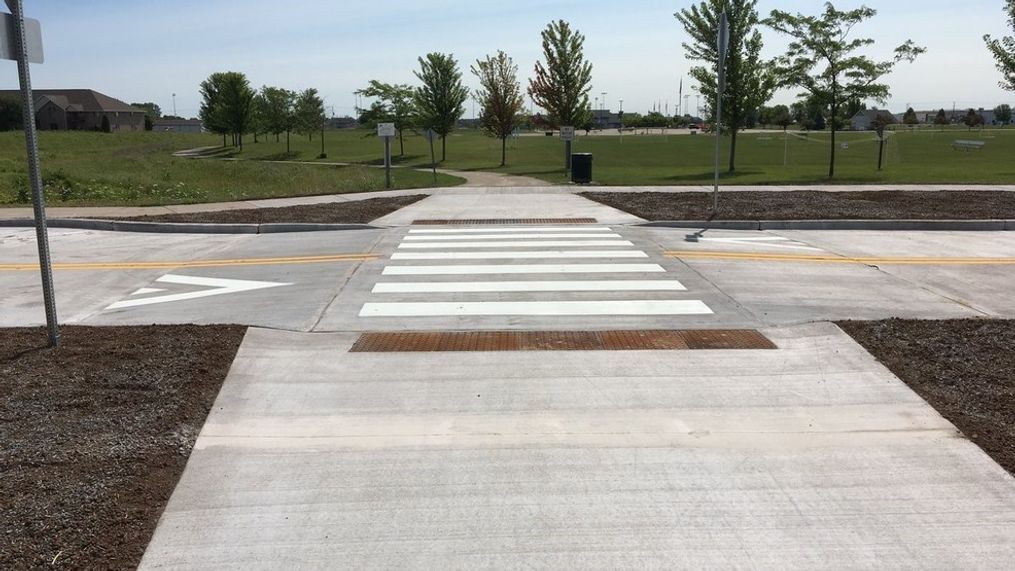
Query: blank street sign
[(33, 36), (385, 129)]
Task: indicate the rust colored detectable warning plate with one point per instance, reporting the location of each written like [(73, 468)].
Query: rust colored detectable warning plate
[(634, 340)]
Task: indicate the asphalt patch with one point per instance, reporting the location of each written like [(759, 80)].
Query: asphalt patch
[(814, 205), (964, 368), (96, 434), (351, 212)]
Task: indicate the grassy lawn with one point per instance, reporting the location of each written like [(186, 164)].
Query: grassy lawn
[(924, 156), (139, 169)]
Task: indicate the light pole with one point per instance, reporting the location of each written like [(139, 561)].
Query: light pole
[(722, 44), (174, 105)]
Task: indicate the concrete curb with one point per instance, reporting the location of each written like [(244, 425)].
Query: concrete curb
[(187, 228), (883, 225)]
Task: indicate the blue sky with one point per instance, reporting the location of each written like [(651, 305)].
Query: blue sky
[(145, 50)]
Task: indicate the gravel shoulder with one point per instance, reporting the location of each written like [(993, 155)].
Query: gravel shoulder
[(815, 205), (96, 434), (964, 368), (350, 212)]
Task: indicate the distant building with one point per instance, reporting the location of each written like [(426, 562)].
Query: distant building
[(81, 110), (178, 125), (604, 119), (864, 120)]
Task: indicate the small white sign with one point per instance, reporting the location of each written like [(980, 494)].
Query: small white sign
[(33, 38), (385, 129), (567, 133), (845, 146)]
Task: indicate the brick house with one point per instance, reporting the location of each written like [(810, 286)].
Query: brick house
[(81, 110)]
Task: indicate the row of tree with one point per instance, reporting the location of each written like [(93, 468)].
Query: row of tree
[(560, 86), (231, 107)]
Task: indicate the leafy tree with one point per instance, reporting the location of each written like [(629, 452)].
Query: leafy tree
[(910, 117), (562, 85), (276, 109), (1003, 50), (973, 119), (398, 104), (500, 96), (152, 111), (654, 120), (11, 116), (780, 116), (440, 101), (818, 121), (227, 105), (798, 112), (941, 118), (749, 80), (1002, 114), (822, 59), (308, 112)]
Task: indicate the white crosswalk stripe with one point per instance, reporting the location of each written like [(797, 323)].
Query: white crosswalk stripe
[(501, 248)]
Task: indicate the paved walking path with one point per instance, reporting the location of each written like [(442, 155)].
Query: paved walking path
[(493, 183), (812, 455)]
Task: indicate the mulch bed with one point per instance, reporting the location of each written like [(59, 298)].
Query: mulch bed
[(963, 368), (95, 435), (815, 205), (352, 212)]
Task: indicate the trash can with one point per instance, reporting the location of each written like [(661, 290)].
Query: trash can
[(581, 168)]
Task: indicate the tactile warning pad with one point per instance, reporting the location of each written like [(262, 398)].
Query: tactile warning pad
[(635, 340)]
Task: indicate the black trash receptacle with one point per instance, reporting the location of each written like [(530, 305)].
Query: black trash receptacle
[(581, 168)]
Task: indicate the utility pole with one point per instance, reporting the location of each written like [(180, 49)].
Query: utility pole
[(174, 106)]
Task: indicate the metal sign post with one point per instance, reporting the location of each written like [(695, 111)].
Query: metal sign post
[(387, 131), (723, 44), (23, 40), (430, 137), (567, 135)]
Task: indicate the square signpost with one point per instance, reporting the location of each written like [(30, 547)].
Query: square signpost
[(387, 132), (567, 135), (723, 44), (21, 40)]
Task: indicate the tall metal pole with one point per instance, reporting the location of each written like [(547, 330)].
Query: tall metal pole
[(34, 173), (723, 46)]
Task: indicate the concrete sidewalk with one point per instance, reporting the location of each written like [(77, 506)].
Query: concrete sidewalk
[(809, 456), (56, 211)]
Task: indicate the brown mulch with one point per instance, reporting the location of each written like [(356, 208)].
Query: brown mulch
[(352, 212), (964, 368), (95, 435), (815, 205)]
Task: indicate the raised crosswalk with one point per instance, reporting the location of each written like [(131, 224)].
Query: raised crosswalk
[(599, 262)]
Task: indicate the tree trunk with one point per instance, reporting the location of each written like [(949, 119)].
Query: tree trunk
[(733, 150), (831, 162), (401, 144), (287, 151), (276, 137), (503, 151), (223, 139), (241, 142), (444, 148)]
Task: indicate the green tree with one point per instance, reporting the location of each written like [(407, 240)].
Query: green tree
[(308, 112), (910, 117), (500, 96), (227, 105), (276, 109), (440, 101), (749, 80), (973, 119), (399, 106), (1003, 50), (1002, 114), (152, 111), (11, 116), (941, 119), (780, 116), (562, 85), (822, 59)]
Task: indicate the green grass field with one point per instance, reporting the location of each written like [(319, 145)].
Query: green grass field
[(138, 169), (924, 156)]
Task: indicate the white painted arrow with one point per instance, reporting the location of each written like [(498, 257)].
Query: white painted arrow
[(220, 286)]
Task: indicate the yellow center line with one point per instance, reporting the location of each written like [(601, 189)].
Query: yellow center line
[(195, 263), (831, 259)]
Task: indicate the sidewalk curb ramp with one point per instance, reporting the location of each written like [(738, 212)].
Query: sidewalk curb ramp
[(884, 225), (177, 228)]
